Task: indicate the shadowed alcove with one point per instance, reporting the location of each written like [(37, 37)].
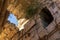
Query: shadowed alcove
[(46, 17)]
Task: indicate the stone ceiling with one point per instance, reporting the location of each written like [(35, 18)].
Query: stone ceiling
[(18, 7)]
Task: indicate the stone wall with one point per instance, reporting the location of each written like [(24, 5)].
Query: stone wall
[(37, 31), (34, 29)]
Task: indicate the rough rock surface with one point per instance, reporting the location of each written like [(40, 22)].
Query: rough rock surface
[(34, 29)]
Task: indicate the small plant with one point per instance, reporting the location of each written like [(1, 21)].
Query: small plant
[(31, 10)]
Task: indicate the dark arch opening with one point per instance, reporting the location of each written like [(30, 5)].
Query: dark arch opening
[(46, 17)]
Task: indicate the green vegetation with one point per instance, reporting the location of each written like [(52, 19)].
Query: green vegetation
[(31, 11)]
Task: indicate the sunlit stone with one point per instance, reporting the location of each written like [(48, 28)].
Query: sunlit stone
[(21, 23)]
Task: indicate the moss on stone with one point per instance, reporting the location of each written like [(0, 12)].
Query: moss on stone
[(31, 10)]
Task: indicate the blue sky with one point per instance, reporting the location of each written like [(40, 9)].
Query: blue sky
[(12, 19)]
